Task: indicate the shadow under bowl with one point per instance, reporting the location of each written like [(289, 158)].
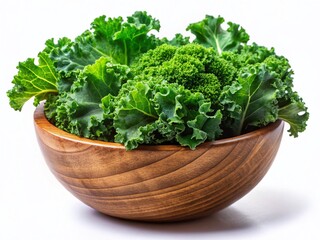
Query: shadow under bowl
[(160, 183)]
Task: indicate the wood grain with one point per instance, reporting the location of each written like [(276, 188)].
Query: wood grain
[(158, 183)]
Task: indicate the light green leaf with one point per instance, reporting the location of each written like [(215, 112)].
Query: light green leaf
[(33, 80)]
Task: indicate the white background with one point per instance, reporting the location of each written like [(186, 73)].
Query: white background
[(285, 205)]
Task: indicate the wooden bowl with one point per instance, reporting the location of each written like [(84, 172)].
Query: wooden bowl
[(158, 183)]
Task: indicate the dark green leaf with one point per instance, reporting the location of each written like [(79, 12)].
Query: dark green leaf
[(79, 111), (210, 33), (295, 113), (153, 113), (120, 41), (251, 101)]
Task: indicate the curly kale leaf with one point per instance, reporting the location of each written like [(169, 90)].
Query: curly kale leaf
[(38, 81), (210, 33), (121, 41), (250, 101), (178, 40), (291, 107), (295, 113), (159, 112), (261, 95), (79, 110)]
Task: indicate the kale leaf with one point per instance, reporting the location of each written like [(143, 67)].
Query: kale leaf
[(33, 81), (210, 33), (160, 112), (121, 41)]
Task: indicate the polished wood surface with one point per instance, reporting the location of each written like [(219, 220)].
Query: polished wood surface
[(158, 183)]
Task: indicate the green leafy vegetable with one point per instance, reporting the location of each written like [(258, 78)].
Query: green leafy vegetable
[(295, 113), (210, 33), (78, 111), (118, 82), (33, 81), (154, 113), (120, 41), (193, 66), (251, 100)]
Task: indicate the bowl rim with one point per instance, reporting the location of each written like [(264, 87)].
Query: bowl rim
[(41, 121)]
